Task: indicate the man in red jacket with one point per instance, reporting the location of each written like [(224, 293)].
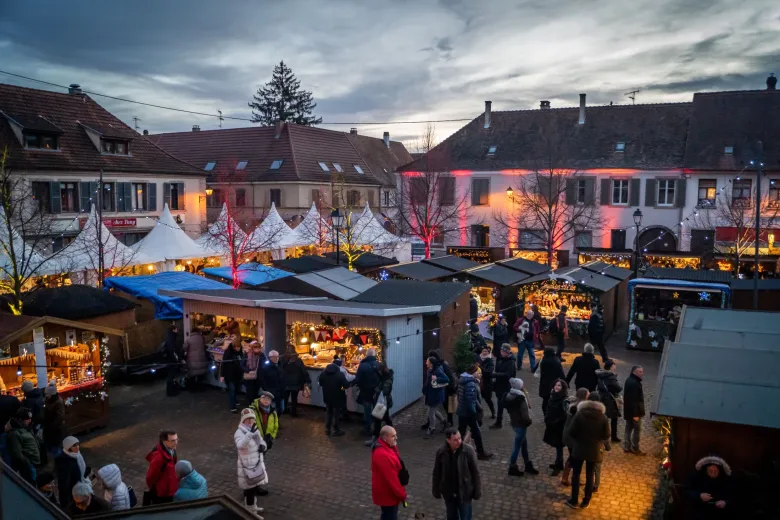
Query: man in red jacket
[(161, 475), (386, 488)]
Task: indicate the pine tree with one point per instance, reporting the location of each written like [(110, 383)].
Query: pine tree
[(282, 99), (464, 355)]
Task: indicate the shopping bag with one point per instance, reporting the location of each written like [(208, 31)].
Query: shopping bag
[(380, 408)]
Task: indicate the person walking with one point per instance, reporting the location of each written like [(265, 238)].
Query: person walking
[(434, 391), (526, 329), (250, 466), (450, 391), (84, 502), (560, 330), (21, 445), (161, 475), (232, 371), (540, 324), (253, 373), (171, 358), (517, 406), (33, 401), (334, 394), (594, 396), (367, 380), (469, 410), (192, 485), (571, 409), (266, 417), (609, 391), (550, 371), (296, 378), (117, 494), (584, 368), (194, 351), (588, 430), (388, 474), (554, 421), (500, 334), (70, 468), (504, 371), (477, 341), (273, 380), (596, 331), (456, 476), (53, 420), (385, 388), (633, 409), (487, 365)]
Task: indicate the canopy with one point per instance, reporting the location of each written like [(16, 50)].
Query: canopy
[(368, 231), (23, 252), (146, 287), (216, 240), (248, 274), (170, 241), (312, 230), (270, 234)]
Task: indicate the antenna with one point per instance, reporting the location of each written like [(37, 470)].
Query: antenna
[(136, 120), (632, 95), (220, 118)]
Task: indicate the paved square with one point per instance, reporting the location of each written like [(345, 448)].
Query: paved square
[(315, 477)]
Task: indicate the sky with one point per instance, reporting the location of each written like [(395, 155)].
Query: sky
[(393, 60)]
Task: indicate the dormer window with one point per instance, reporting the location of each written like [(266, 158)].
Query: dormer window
[(241, 165), (728, 150), (115, 146), (210, 165), (338, 167), (492, 150), (324, 167), (40, 141), (620, 146)]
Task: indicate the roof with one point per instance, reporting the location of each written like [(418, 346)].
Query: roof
[(577, 275), (419, 271), (690, 275), (73, 302), (382, 160), (681, 284), (304, 264), (738, 119), (764, 284), (242, 297), (452, 263), (524, 266), (726, 327), (248, 274), (364, 261), (69, 114), (300, 148), (612, 271), (497, 274), (336, 282), (654, 137), (169, 241), (413, 292), (13, 327)]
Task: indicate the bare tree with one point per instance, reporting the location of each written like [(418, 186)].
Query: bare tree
[(428, 204)]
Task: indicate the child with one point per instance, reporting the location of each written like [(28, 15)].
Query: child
[(266, 418)]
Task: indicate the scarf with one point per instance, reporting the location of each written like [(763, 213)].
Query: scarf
[(80, 461)]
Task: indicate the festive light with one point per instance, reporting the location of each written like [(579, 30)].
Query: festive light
[(19, 371)]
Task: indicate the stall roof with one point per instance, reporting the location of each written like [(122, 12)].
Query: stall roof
[(365, 261), (12, 327), (764, 284), (241, 297), (690, 275), (73, 302), (413, 292), (248, 274), (726, 327), (577, 275), (524, 266), (723, 389), (613, 271), (146, 287), (452, 263), (337, 282), (497, 274), (304, 264), (679, 283), (419, 271)]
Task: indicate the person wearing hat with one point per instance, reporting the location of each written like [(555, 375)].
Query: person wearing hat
[(21, 445), (334, 394), (117, 494), (33, 401), (250, 465), (710, 489), (609, 390), (504, 371), (53, 420), (192, 485), (9, 405), (266, 417), (70, 468), (516, 403), (85, 502), (45, 484), (500, 334)]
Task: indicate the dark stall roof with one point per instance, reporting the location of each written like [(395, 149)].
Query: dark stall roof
[(765, 284), (577, 275), (73, 302), (613, 271), (243, 297), (419, 271), (364, 261), (304, 264), (336, 282), (524, 266), (497, 274), (452, 263), (13, 327), (688, 275), (413, 292)]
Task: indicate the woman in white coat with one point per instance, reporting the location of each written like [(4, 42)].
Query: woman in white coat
[(250, 466), (116, 492)]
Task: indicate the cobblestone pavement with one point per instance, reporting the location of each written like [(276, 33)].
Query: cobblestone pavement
[(316, 477)]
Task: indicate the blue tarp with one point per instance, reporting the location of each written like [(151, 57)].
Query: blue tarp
[(249, 274), (146, 287)]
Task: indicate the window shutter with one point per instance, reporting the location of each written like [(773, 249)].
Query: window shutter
[(124, 202), (651, 192), (446, 191), (180, 193), (55, 202), (606, 191), (633, 192), (543, 186), (84, 193), (167, 194), (590, 184), (571, 186), (679, 193), (151, 191)]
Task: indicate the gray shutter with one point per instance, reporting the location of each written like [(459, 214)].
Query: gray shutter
[(166, 194), (544, 186), (84, 194), (606, 188), (679, 193), (124, 202), (633, 192), (651, 192), (590, 184), (151, 193), (55, 201), (571, 186), (181, 196)]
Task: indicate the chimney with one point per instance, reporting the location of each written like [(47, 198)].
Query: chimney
[(74, 88), (146, 132), (771, 82), (543, 105), (386, 139), (278, 129), (582, 109), (353, 131), (196, 128), (487, 113)]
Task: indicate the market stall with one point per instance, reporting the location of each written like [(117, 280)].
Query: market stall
[(616, 257), (170, 243)]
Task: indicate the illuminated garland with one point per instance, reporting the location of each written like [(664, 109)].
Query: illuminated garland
[(307, 333)]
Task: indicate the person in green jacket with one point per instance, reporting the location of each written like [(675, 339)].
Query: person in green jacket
[(266, 418), (22, 446)]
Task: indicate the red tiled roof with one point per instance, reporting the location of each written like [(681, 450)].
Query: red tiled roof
[(383, 161), (68, 112)]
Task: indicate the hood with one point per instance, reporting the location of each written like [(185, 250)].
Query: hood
[(465, 378), (588, 406), (110, 475), (710, 460), (604, 374), (15, 424), (549, 352), (192, 481), (332, 369)]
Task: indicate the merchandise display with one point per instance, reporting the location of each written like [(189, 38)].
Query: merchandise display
[(217, 331), (317, 345), (549, 295)]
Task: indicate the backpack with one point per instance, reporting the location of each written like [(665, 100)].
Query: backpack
[(554, 325)]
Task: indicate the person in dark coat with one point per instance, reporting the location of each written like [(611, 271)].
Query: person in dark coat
[(551, 370), (540, 324), (456, 476), (500, 334), (334, 394), (526, 329), (434, 391), (580, 395), (296, 377), (554, 420), (584, 367), (22, 446), (386, 389), (633, 409), (85, 502), (487, 365), (561, 330), (596, 331), (194, 351), (70, 468), (46, 486), (469, 409), (367, 380), (9, 405), (232, 371), (505, 370), (520, 419), (171, 357), (477, 341), (589, 430), (33, 401), (253, 370), (452, 386), (53, 420), (473, 308), (609, 391), (273, 380), (710, 490)]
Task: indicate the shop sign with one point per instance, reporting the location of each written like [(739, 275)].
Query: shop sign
[(114, 222), (482, 255)]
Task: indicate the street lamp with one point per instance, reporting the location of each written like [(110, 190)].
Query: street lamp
[(509, 192), (209, 191), (638, 224), (337, 220)]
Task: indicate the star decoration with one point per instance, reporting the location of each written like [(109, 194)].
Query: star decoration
[(633, 343), (654, 344), (704, 296), (651, 333), (675, 295)]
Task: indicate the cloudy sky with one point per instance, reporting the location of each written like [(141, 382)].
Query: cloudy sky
[(392, 60)]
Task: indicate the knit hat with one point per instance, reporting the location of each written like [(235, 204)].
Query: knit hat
[(28, 386), (51, 389), (68, 442), (82, 489), (247, 413), (337, 361), (43, 478), (183, 468), (23, 414), (506, 348), (267, 394), (516, 383)]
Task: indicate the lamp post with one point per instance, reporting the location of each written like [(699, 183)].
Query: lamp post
[(337, 220), (637, 224)]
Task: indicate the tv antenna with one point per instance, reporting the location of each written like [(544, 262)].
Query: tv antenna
[(136, 120), (220, 118), (632, 95)]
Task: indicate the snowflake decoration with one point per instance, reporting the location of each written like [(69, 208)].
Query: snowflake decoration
[(675, 295), (69, 401), (654, 344), (651, 333), (633, 343), (103, 396), (384, 275), (704, 296)]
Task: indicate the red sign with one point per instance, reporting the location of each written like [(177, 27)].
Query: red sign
[(114, 222), (730, 234)]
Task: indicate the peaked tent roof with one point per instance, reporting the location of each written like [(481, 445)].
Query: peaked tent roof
[(271, 232), (32, 259), (367, 230), (170, 241), (248, 274), (312, 229), (215, 240)]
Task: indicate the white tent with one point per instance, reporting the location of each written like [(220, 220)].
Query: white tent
[(23, 252), (216, 241), (271, 233), (311, 230), (169, 241), (369, 231)]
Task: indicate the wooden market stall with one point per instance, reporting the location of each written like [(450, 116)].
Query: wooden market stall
[(73, 354)]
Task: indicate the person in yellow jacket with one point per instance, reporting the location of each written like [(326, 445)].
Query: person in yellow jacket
[(266, 417)]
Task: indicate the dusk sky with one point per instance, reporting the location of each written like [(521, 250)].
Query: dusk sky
[(375, 61)]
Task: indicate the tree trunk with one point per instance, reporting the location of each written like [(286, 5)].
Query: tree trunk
[(427, 248)]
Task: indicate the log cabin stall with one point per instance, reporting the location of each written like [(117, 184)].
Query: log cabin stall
[(72, 354)]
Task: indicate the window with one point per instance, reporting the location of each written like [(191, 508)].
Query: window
[(109, 200), (41, 192), (210, 166), (40, 141), (177, 195), (480, 192), (240, 197), (353, 198), (774, 193), (583, 239), (620, 192), (69, 195), (438, 236), (480, 235), (338, 167), (492, 150), (241, 165), (579, 194), (276, 164), (665, 192), (138, 196), (707, 192), (275, 195), (618, 239), (418, 191), (728, 150), (741, 192), (358, 169), (130, 239), (531, 239), (216, 199), (446, 191), (324, 167), (386, 198), (620, 146), (113, 146)]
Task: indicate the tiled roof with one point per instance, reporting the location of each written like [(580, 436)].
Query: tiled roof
[(66, 115), (383, 161), (654, 137), (737, 119), (413, 292)]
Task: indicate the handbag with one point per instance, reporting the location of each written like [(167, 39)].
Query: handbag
[(306, 392), (452, 403), (148, 498), (403, 473), (380, 408), (256, 473), (131, 495)]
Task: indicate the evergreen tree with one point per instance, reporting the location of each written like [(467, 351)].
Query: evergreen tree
[(464, 355), (282, 99)]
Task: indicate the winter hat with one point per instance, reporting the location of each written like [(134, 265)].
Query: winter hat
[(247, 413), (28, 386), (51, 389), (337, 361), (267, 394), (183, 468), (68, 442), (506, 348), (516, 383), (434, 354), (82, 489), (43, 478)]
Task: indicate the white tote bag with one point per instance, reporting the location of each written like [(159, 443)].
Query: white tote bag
[(380, 407)]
